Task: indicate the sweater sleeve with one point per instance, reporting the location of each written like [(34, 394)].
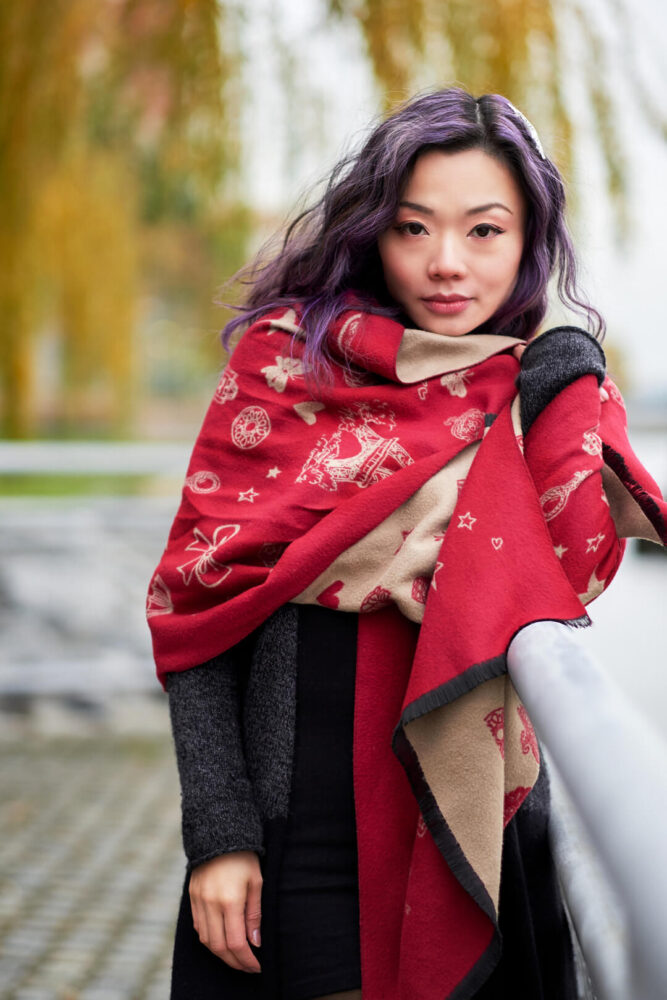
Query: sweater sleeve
[(219, 812)]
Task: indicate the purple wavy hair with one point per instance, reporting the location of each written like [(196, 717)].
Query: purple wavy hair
[(331, 248)]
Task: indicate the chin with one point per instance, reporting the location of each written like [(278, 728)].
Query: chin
[(447, 329)]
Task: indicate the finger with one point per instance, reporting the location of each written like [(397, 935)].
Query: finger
[(209, 927), (215, 931), (604, 395), (518, 351), (212, 934), (200, 922), (253, 912), (196, 923), (237, 943)]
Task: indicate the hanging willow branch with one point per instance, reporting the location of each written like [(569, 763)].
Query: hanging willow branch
[(113, 127), (513, 47)]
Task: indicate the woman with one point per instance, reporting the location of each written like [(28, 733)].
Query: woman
[(370, 514)]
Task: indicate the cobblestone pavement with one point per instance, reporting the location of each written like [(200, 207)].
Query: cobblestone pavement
[(91, 867)]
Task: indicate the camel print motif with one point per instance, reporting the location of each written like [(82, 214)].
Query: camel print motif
[(203, 482), (468, 426), (278, 375), (250, 427), (528, 737), (512, 801), (378, 598), (455, 382), (159, 600), (227, 387), (420, 587), (553, 500), (592, 442), (495, 720), (356, 452)]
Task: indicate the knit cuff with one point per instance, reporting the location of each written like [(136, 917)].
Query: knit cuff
[(553, 361)]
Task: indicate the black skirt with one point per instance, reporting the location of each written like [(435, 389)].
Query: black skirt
[(310, 908)]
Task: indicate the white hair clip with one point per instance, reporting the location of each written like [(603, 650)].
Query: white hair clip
[(532, 131)]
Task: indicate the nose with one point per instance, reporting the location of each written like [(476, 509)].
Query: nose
[(448, 259)]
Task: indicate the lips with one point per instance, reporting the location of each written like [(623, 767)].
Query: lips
[(447, 298), (446, 305)]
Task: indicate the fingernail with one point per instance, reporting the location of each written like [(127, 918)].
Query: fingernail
[(256, 940)]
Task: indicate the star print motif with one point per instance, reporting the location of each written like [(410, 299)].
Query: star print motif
[(560, 550), (595, 588), (248, 495), (466, 521), (273, 473), (594, 543)]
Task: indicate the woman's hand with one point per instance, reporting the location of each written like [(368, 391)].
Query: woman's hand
[(226, 896)]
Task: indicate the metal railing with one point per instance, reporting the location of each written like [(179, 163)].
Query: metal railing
[(129, 458), (614, 768)]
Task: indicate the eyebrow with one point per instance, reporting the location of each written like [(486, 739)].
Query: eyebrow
[(424, 210)]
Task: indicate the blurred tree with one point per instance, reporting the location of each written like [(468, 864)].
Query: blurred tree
[(512, 47), (117, 143)]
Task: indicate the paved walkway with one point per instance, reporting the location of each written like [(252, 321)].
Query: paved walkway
[(91, 867)]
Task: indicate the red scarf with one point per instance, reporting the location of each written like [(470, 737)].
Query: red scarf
[(402, 489)]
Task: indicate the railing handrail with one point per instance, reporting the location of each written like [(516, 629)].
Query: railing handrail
[(614, 767), (94, 458)]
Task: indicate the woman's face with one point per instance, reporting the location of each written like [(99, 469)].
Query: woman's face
[(451, 257)]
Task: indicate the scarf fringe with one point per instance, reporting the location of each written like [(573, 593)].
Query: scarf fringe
[(645, 501)]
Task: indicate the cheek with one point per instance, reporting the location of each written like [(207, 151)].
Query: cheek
[(393, 267), (505, 276)]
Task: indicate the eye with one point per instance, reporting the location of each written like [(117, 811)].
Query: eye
[(484, 230), (411, 228)]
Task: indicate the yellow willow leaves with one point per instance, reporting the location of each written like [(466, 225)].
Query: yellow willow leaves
[(88, 233), (486, 46), (38, 93), (393, 30), (114, 131), (173, 71)]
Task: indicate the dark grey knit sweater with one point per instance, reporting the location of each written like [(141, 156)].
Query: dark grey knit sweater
[(233, 721), (233, 718)]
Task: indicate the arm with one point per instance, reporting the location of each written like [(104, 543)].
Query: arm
[(222, 829), (564, 453)]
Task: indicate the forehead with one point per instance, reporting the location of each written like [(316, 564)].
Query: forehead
[(462, 180)]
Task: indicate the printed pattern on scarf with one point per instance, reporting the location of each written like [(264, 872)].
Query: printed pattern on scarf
[(356, 452)]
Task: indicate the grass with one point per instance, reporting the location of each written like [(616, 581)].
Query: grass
[(57, 485)]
